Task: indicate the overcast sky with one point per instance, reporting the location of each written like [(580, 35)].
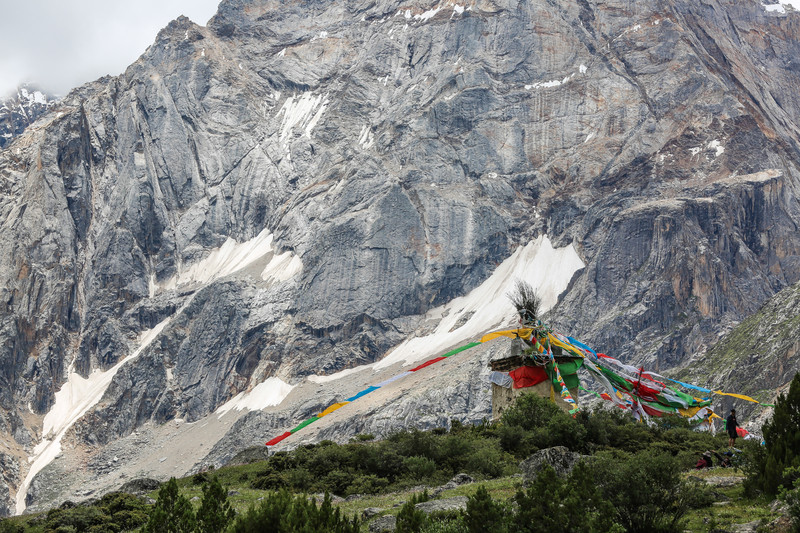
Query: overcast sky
[(60, 44)]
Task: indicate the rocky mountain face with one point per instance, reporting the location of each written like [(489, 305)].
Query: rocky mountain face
[(289, 190), (756, 357), (20, 110)]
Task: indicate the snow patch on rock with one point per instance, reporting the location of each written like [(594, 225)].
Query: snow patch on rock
[(270, 392), (302, 111), (72, 401), (233, 256), (547, 269)]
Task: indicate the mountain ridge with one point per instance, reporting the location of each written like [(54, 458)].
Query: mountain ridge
[(401, 152)]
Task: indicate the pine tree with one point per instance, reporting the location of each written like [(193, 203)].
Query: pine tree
[(410, 519), (172, 512), (782, 436), (280, 512), (215, 511), (484, 514)]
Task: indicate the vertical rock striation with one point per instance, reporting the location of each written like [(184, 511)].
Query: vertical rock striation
[(396, 152)]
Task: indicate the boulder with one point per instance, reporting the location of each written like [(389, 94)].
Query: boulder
[(458, 503), (383, 523), (458, 479), (369, 512), (140, 486), (724, 481), (250, 455), (558, 457)]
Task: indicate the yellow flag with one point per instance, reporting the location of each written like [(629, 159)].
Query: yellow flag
[(332, 408), (570, 348), (510, 333), (740, 396), (688, 413)]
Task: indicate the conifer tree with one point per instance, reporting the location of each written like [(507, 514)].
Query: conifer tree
[(215, 512), (410, 519), (484, 514), (782, 436), (172, 512)]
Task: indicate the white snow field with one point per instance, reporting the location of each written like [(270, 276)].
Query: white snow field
[(266, 394), (547, 269), (233, 256)]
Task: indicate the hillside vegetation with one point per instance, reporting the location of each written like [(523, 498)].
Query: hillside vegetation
[(634, 477)]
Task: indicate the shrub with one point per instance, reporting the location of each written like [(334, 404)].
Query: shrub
[(645, 489), (445, 522), (81, 518), (545, 423), (367, 484), (410, 519), (513, 439), (791, 496), (215, 511), (269, 481), (280, 512), (531, 411), (200, 478), (445, 525), (419, 467), (484, 514), (172, 512), (115, 511), (572, 505), (7, 526), (337, 482), (782, 437)]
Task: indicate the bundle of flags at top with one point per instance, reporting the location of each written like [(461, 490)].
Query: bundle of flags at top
[(547, 362)]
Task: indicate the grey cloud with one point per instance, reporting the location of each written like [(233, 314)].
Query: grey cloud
[(61, 44)]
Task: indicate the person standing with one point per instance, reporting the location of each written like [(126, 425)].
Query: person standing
[(730, 427)]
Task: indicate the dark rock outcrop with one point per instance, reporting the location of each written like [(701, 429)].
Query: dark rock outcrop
[(457, 503), (140, 486), (559, 458), (383, 523)]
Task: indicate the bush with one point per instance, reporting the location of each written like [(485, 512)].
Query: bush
[(81, 518), (406, 458), (419, 467), (410, 519), (782, 438), (172, 512), (574, 505), (791, 496), (445, 525), (200, 478), (269, 481), (513, 439), (215, 511), (484, 514), (645, 489), (531, 411), (545, 424), (337, 482), (367, 484), (280, 512), (7, 526)]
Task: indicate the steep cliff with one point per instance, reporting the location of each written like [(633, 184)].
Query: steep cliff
[(289, 190), (757, 357)]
